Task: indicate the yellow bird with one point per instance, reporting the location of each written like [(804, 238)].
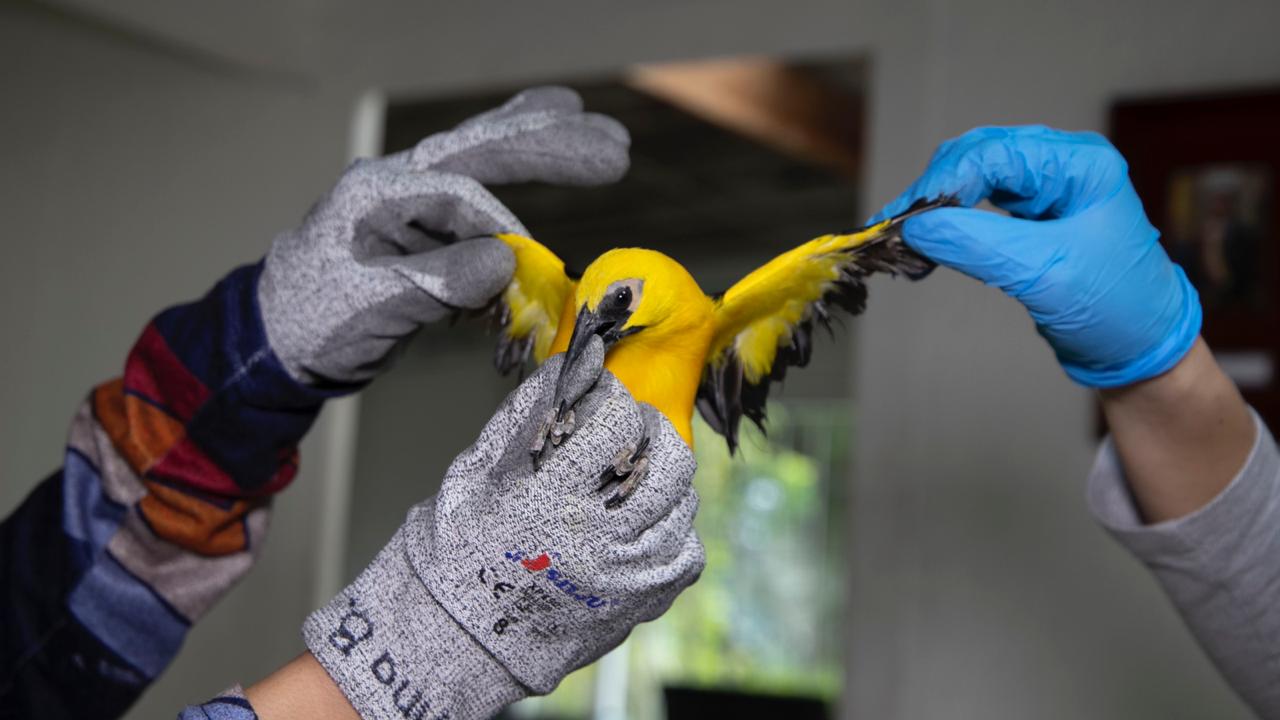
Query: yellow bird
[(673, 346)]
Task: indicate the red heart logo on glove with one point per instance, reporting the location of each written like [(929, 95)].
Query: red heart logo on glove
[(542, 562)]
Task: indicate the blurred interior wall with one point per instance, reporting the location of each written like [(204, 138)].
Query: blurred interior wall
[(133, 177)]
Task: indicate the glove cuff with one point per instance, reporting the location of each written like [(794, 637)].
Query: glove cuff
[(1160, 359), (396, 653)]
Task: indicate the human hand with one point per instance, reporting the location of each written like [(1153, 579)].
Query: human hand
[(404, 240), (1078, 252)]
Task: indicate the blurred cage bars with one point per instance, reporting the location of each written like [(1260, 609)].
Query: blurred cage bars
[(752, 154)]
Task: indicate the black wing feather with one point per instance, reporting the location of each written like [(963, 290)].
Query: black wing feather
[(511, 353)]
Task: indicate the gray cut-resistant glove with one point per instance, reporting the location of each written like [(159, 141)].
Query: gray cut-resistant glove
[(403, 240), (511, 578)]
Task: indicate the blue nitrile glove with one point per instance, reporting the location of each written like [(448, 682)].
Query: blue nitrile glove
[(1078, 252)]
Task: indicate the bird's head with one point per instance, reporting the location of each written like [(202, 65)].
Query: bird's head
[(630, 291)]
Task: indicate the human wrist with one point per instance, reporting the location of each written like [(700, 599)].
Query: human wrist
[(299, 690), (1181, 436), (1195, 374)]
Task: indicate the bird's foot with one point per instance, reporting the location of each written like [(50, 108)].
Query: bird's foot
[(575, 381), (564, 425), (631, 464), (556, 428)]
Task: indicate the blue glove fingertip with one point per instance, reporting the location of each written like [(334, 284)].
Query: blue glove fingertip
[(943, 235), (917, 233)]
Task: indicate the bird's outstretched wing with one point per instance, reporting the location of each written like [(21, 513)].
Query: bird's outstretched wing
[(529, 310), (764, 323)]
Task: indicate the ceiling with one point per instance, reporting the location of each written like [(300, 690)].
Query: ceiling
[(429, 46)]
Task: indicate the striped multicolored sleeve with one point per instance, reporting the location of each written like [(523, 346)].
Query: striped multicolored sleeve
[(159, 508)]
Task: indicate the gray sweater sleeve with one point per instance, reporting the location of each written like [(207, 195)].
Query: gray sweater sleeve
[(1220, 565)]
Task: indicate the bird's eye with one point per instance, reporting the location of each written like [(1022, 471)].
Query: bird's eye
[(622, 297)]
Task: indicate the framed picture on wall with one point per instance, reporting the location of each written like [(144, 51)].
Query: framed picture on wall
[(1207, 169)]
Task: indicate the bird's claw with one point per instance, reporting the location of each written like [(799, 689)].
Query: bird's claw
[(555, 429), (562, 427), (627, 483), (631, 464), (540, 438)]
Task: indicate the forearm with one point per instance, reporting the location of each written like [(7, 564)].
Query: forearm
[(301, 689), (1181, 436), (159, 508)]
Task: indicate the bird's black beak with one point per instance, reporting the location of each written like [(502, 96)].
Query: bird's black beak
[(604, 323), (607, 323)]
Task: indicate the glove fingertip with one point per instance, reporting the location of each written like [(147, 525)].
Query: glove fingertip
[(466, 274), (938, 234), (615, 130), (590, 160), (697, 554), (547, 97), (491, 265), (612, 165), (918, 238)]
